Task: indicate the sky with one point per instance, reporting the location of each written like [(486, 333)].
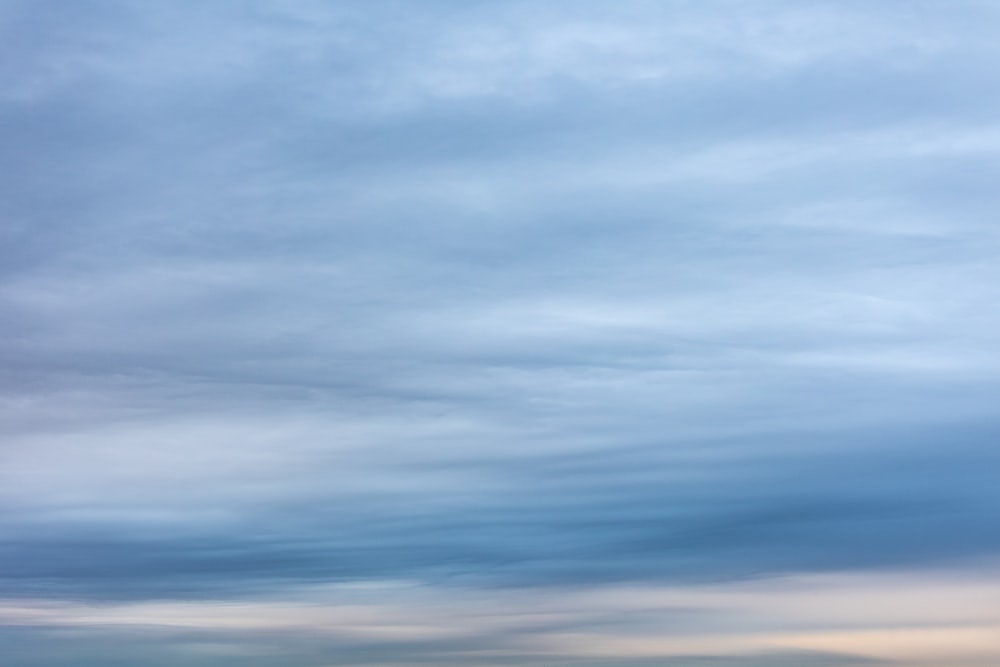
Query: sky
[(499, 333)]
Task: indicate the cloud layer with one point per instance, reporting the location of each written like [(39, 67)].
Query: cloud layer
[(486, 304)]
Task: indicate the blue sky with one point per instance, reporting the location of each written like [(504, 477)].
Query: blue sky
[(499, 333)]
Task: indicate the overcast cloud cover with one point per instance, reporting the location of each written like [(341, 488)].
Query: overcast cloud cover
[(499, 333)]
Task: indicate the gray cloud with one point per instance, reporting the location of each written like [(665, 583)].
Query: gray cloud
[(642, 513)]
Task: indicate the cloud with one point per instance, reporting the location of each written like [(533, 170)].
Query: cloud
[(491, 296), (856, 619)]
